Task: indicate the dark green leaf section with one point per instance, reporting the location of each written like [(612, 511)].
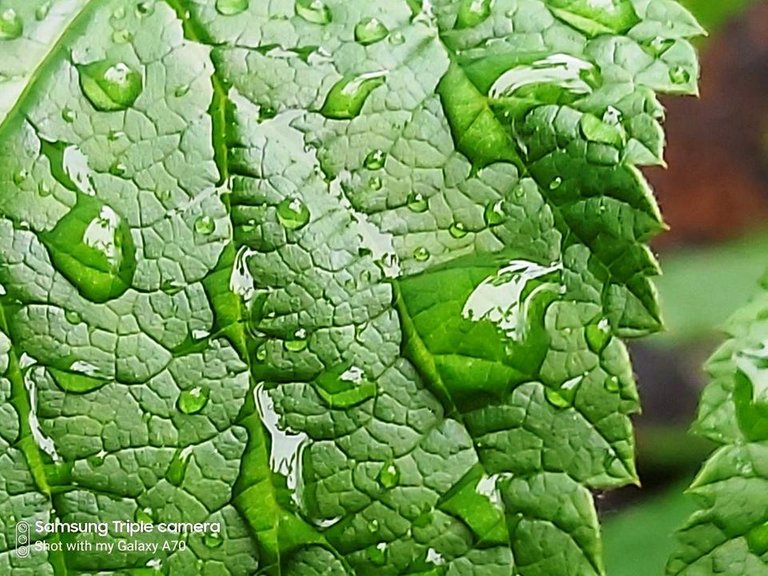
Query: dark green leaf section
[(345, 277), (729, 534)]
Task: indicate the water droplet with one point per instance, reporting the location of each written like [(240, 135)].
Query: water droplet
[(118, 169), (679, 75), (344, 386), (375, 183), (261, 353), (44, 190), (110, 86), (42, 11), (314, 11), (473, 12), (68, 115), (298, 343), (231, 7), (193, 400), (660, 45), (421, 254), (145, 8), (144, 515), (293, 214), (370, 30), (182, 90), (114, 135), (558, 79), (93, 248), (612, 116), (458, 230), (397, 39), (347, 97), (122, 36), (11, 26), (417, 203), (378, 554), (556, 398), (205, 225), (373, 526), (213, 540), (75, 381), (612, 384), (375, 160), (555, 183), (389, 476), (20, 177), (598, 335), (72, 317), (266, 112), (494, 213), (178, 466)]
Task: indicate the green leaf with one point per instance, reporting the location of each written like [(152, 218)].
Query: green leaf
[(727, 535), (344, 278)]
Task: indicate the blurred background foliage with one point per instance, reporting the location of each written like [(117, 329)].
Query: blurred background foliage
[(714, 196)]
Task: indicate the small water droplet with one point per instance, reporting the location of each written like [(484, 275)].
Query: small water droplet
[(182, 90), (261, 353), (397, 39), (11, 25), (44, 190), (369, 31), (378, 554), (293, 214), (93, 248), (555, 183), (110, 86), (178, 466), (458, 230), (556, 398), (122, 36), (473, 12), (421, 254), (114, 135), (97, 460), (118, 169), (660, 45), (68, 115), (494, 213), (265, 113), (205, 225), (20, 177), (193, 400), (373, 526), (144, 515), (375, 183), (298, 343), (598, 335), (389, 476), (213, 540), (41, 13), (375, 160), (679, 75), (314, 11), (417, 203), (612, 384), (145, 8), (72, 317), (347, 97), (231, 7)]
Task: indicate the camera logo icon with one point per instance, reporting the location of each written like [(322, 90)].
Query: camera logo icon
[(22, 540)]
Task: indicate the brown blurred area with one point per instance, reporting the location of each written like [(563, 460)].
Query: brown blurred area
[(716, 186)]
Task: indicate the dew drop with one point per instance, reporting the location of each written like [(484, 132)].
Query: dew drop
[(68, 115), (369, 31), (347, 97), (421, 254), (118, 169), (378, 554), (660, 45), (182, 90), (119, 13), (261, 353), (93, 248), (458, 230), (494, 214), (375, 183), (397, 39), (556, 398), (11, 26), (298, 343), (375, 160), (389, 476), (598, 335), (178, 467), (97, 460), (41, 13), (73, 317), (213, 540), (417, 203), (145, 8), (231, 7), (20, 177), (555, 183), (612, 384), (76, 382), (205, 225), (293, 214), (110, 86), (343, 387), (314, 11), (679, 75), (144, 515), (193, 400), (122, 36), (473, 12)]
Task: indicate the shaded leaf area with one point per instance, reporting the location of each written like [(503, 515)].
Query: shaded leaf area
[(727, 535), (346, 277)]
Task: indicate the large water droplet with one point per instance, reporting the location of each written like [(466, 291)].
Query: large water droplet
[(370, 31), (494, 214), (557, 399), (347, 97), (343, 387), (11, 26), (298, 343), (193, 400), (231, 7), (458, 230), (421, 254), (41, 13), (557, 79), (417, 203), (660, 45), (92, 247), (205, 225), (213, 540), (389, 475), (378, 554), (293, 214), (473, 12), (598, 335), (110, 86), (315, 11), (612, 384), (178, 467), (76, 382), (375, 160)]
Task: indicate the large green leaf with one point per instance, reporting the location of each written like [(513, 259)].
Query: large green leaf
[(344, 277), (729, 533)]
